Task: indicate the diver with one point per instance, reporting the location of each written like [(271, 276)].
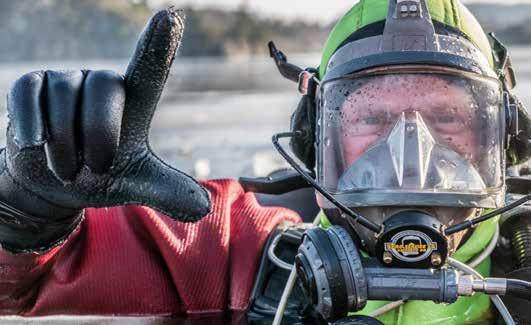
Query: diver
[(408, 133)]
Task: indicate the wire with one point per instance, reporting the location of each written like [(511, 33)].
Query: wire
[(289, 286), (471, 223), (519, 288), (488, 250), (358, 218), (274, 258), (387, 308), (496, 300)]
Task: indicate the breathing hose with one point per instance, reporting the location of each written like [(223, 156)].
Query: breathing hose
[(519, 288), (521, 245)]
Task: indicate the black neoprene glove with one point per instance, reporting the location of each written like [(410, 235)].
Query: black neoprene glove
[(79, 139)]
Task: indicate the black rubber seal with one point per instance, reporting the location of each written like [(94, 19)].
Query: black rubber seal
[(333, 270), (306, 276), (377, 29), (406, 57)]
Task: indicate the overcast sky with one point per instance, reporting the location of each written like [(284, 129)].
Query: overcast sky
[(323, 11)]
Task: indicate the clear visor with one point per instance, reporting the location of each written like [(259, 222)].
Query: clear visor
[(401, 137)]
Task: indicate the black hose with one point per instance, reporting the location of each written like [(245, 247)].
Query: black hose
[(519, 288), (521, 246), (358, 218), (471, 223)]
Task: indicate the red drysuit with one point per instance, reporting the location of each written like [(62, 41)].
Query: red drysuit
[(132, 260)]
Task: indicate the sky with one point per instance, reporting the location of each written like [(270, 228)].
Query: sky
[(323, 11)]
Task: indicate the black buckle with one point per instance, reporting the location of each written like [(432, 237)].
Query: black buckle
[(503, 63), (280, 182), (307, 83), (511, 118), (305, 78), (287, 70)]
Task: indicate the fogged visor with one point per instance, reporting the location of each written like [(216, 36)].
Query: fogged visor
[(412, 138)]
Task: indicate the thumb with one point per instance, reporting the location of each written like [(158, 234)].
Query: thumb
[(147, 73), (151, 182)]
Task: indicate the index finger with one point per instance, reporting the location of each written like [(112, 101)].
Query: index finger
[(148, 70)]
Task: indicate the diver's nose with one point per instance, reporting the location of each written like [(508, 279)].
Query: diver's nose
[(411, 143)]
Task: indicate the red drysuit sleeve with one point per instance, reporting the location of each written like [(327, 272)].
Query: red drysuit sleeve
[(132, 260)]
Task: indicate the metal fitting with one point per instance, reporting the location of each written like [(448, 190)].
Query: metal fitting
[(491, 286), (408, 8), (387, 258), (465, 285), (305, 78), (436, 259)]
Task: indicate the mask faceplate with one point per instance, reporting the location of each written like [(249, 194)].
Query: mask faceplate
[(412, 138)]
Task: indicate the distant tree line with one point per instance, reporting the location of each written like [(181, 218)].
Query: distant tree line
[(74, 29), (220, 33), (517, 34)]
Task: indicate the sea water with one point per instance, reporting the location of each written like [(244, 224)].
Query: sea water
[(217, 115)]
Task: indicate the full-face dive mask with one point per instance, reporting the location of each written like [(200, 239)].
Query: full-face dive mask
[(411, 128), (415, 138)]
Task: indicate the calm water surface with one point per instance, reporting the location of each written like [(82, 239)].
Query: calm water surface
[(217, 116)]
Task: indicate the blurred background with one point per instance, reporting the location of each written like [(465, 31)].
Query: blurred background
[(224, 98)]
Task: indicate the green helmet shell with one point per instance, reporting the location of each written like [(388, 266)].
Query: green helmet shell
[(450, 12)]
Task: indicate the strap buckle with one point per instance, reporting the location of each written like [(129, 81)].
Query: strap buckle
[(504, 67), (305, 79)]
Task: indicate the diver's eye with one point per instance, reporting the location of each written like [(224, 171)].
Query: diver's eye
[(446, 119), (449, 124), (373, 120), (366, 125)]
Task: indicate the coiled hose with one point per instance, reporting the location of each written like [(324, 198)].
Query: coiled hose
[(521, 245)]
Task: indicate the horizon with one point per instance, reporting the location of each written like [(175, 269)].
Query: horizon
[(317, 11)]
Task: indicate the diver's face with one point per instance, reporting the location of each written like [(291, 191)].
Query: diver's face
[(371, 113)]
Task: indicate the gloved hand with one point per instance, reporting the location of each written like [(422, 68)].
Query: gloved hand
[(80, 139)]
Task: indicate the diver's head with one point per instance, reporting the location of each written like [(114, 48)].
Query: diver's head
[(409, 116)]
